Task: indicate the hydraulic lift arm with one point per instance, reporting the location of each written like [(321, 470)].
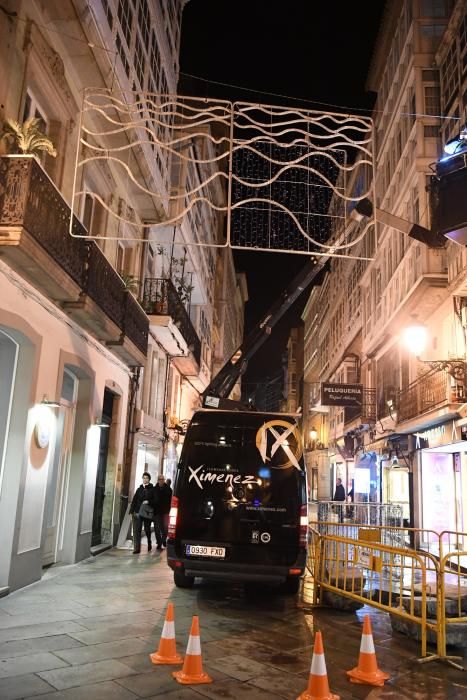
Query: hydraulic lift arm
[(216, 393), (223, 383)]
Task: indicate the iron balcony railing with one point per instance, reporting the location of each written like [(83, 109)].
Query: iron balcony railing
[(366, 412), (29, 200), (161, 298), (433, 389)]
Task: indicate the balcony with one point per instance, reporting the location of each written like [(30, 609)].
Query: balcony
[(435, 390), (71, 272), (171, 324), (366, 413)]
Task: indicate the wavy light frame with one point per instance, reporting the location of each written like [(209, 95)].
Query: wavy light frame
[(111, 128)]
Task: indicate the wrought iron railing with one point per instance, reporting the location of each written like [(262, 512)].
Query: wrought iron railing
[(431, 390), (367, 411), (30, 200), (387, 400), (161, 298)]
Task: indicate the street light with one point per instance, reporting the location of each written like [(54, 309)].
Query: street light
[(415, 338)]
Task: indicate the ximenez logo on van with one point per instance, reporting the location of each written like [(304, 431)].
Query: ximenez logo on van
[(279, 442), (218, 477)]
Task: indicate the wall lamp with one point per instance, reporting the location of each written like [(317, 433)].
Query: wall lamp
[(51, 404), (415, 337), (100, 423)]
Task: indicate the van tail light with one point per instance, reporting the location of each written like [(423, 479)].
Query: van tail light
[(304, 526), (173, 518)]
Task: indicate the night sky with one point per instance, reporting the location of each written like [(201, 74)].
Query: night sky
[(316, 51)]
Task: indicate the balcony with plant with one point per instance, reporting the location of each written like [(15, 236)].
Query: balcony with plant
[(71, 270)]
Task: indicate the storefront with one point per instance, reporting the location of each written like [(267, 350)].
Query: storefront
[(443, 478), (366, 478)]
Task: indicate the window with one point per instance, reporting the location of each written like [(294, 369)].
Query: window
[(431, 131), (121, 53), (432, 100), (32, 109), (154, 385), (430, 35), (88, 207), (108, 12), (120, 258), (449, 74), (125, 16), (144, 22), (138, 61), (433, 8)]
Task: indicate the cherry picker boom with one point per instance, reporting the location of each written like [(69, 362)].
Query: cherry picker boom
[(216, 393)]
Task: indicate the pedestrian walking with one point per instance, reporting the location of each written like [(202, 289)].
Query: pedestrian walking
[(162, 502), (168, 482), (142, 509), (339, 495)]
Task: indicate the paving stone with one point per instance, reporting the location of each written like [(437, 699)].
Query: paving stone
[(284, 685), (239, 667), (139, 663), (234, 690), (180, 694), (23, 647), (87, 673), (38, 617), (108, 690), (161, 681), (31, 663), (42, 630), (23, 686), (107, 650), (114, 634), (92, 623)]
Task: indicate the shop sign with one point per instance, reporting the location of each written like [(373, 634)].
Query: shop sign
[(341, 394), (434, 437)]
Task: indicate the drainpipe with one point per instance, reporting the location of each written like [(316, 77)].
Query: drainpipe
[(130, 441)]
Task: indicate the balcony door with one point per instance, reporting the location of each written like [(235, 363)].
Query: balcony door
[(58, 478), (100, 493)]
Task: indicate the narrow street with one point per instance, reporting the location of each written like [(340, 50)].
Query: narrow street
[(85, 632)]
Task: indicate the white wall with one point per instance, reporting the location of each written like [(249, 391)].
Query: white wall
[(52, 339)]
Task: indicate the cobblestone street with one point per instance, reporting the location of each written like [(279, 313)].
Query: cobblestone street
[(85, 632)]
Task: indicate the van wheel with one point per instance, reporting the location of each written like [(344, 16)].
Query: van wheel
[(182, 581), (291, 586)]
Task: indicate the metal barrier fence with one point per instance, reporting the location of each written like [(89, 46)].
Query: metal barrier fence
[(415, 587), (370, 513)]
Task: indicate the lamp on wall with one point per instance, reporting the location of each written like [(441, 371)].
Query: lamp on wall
[(100, 423), (51, 404), (313, 437), (415, 337)]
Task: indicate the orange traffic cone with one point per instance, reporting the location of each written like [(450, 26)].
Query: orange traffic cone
[(318, 686), (192, 672), (167, 652), (367, 671)]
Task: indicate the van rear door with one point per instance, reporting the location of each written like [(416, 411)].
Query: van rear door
[(240, 488)]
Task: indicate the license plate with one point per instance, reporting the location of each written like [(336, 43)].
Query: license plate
[(199, 550)]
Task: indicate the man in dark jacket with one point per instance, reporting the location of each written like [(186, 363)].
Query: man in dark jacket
[(142, 508), (162, 499), (339, 495)]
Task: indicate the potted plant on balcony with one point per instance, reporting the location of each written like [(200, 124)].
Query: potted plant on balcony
[(131, 283), (27, 138)]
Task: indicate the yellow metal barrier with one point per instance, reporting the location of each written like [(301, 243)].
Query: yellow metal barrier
[(398, 580)]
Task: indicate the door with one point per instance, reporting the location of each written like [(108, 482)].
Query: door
[(57, 485), (99, 498)]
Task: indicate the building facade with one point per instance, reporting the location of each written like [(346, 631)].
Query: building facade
[(407, 447), (105, 342)]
